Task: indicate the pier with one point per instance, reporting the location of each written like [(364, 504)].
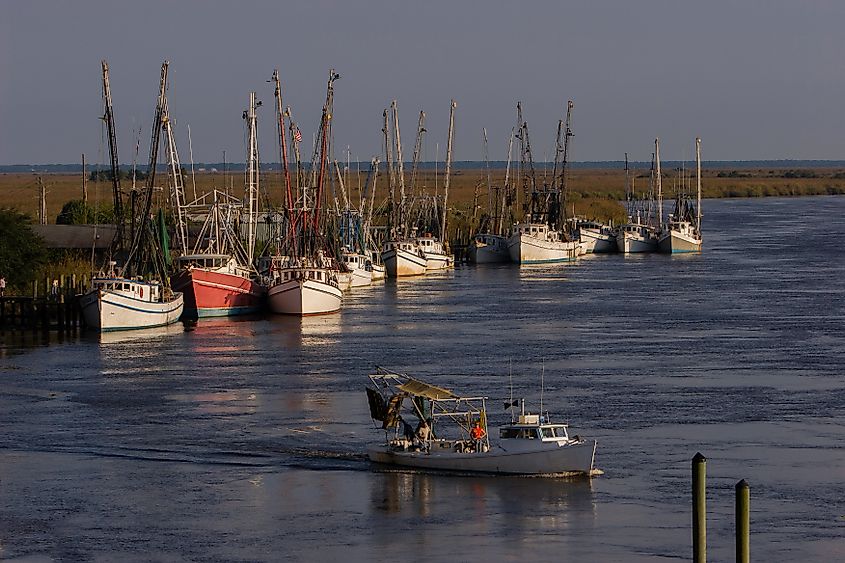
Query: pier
[(56, 309)]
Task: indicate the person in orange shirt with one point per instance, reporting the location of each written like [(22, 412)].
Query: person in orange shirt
[(477, 432)]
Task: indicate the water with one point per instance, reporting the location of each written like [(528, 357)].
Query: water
[(245, 440)]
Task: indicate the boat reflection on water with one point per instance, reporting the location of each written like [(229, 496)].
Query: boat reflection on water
[(520, 503), (141, 335), (310, 331)]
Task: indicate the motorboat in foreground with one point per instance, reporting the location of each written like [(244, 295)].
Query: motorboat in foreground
[(451, 434)]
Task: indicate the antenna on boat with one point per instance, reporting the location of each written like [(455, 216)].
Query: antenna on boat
[(510, 380), (542, 374)]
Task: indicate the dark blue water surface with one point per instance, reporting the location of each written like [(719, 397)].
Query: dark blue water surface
[(244, 440)]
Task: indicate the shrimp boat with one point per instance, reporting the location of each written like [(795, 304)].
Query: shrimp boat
[(118, 303), (217, 275), (451, 434), (305, 279), (639, 234), (595, 237), (136, 295), (683, 232)]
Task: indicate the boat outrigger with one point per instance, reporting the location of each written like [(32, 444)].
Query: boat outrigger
[(451, 433)]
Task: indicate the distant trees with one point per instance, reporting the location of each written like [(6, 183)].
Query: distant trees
[(22, 252), (106, 175), (76, 212)]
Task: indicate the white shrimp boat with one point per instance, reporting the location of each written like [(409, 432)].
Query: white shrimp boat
[(536, 243), (636, 238), (595, 237), (403, 257), (377, 268), (360, 268), (486, 248), (436, 257), (302, 287), (683, 232), (127, 304), (529, 445), (679, 237)]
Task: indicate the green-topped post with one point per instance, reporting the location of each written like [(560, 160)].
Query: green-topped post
[(699, 509), (743, 522)]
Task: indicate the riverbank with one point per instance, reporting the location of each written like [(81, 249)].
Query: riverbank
[(467, 186)]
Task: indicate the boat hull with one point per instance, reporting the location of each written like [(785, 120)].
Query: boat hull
[(675, 242), (217, 294), (630, 244), (495, 252), (525, 249), (437, 261), (400, 263), (304, 297), (107, 311), (570, 459), (378, 272), (597, 243)]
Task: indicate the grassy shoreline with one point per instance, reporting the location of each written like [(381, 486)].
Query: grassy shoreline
[(21, 191)]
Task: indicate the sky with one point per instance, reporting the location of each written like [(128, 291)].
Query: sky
[(754, 79)]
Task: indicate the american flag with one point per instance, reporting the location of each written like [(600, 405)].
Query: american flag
[(297, 135)]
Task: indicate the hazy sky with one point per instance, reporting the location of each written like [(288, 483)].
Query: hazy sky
[(753, 79)]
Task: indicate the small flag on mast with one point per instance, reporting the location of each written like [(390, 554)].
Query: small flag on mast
[(297, 135)]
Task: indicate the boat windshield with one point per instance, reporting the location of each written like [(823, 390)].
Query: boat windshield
[(518, 433)]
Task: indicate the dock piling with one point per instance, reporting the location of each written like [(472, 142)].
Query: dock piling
[(699, 508), (743, 524)]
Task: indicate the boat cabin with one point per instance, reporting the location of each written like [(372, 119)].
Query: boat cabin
[(530, 432), (132, 288), (430, 245), (537, 230), (356, 261), (215, 262)]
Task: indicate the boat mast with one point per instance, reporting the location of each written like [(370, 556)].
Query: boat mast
[(452, 105), (491, 213), (145, 255), (323, 146), (283, 146), (252, 172), (698, 186), (108, 117), (506, 196), (421, 130), (564, 188), (400, 170), (370, 192), (628, 190), (177, 193), (393, 217), (659, 183)]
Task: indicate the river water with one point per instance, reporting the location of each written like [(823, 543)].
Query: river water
[(244, 440)]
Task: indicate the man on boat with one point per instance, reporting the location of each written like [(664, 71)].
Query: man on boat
[(423, 431), (477, 434)]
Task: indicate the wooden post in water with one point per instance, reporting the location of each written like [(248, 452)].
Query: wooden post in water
[(699, 508), (743, 527)]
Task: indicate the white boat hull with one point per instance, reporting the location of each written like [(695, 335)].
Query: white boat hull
[(597, 243), (569, 459), (493, 252), (674, 242), (629, 243), (400, 263), (378, 272), (361, 278), (525, 249), (304, 297), (109, 311), (437, 261)]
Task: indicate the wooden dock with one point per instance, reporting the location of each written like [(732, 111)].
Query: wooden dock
[(56, 311)]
